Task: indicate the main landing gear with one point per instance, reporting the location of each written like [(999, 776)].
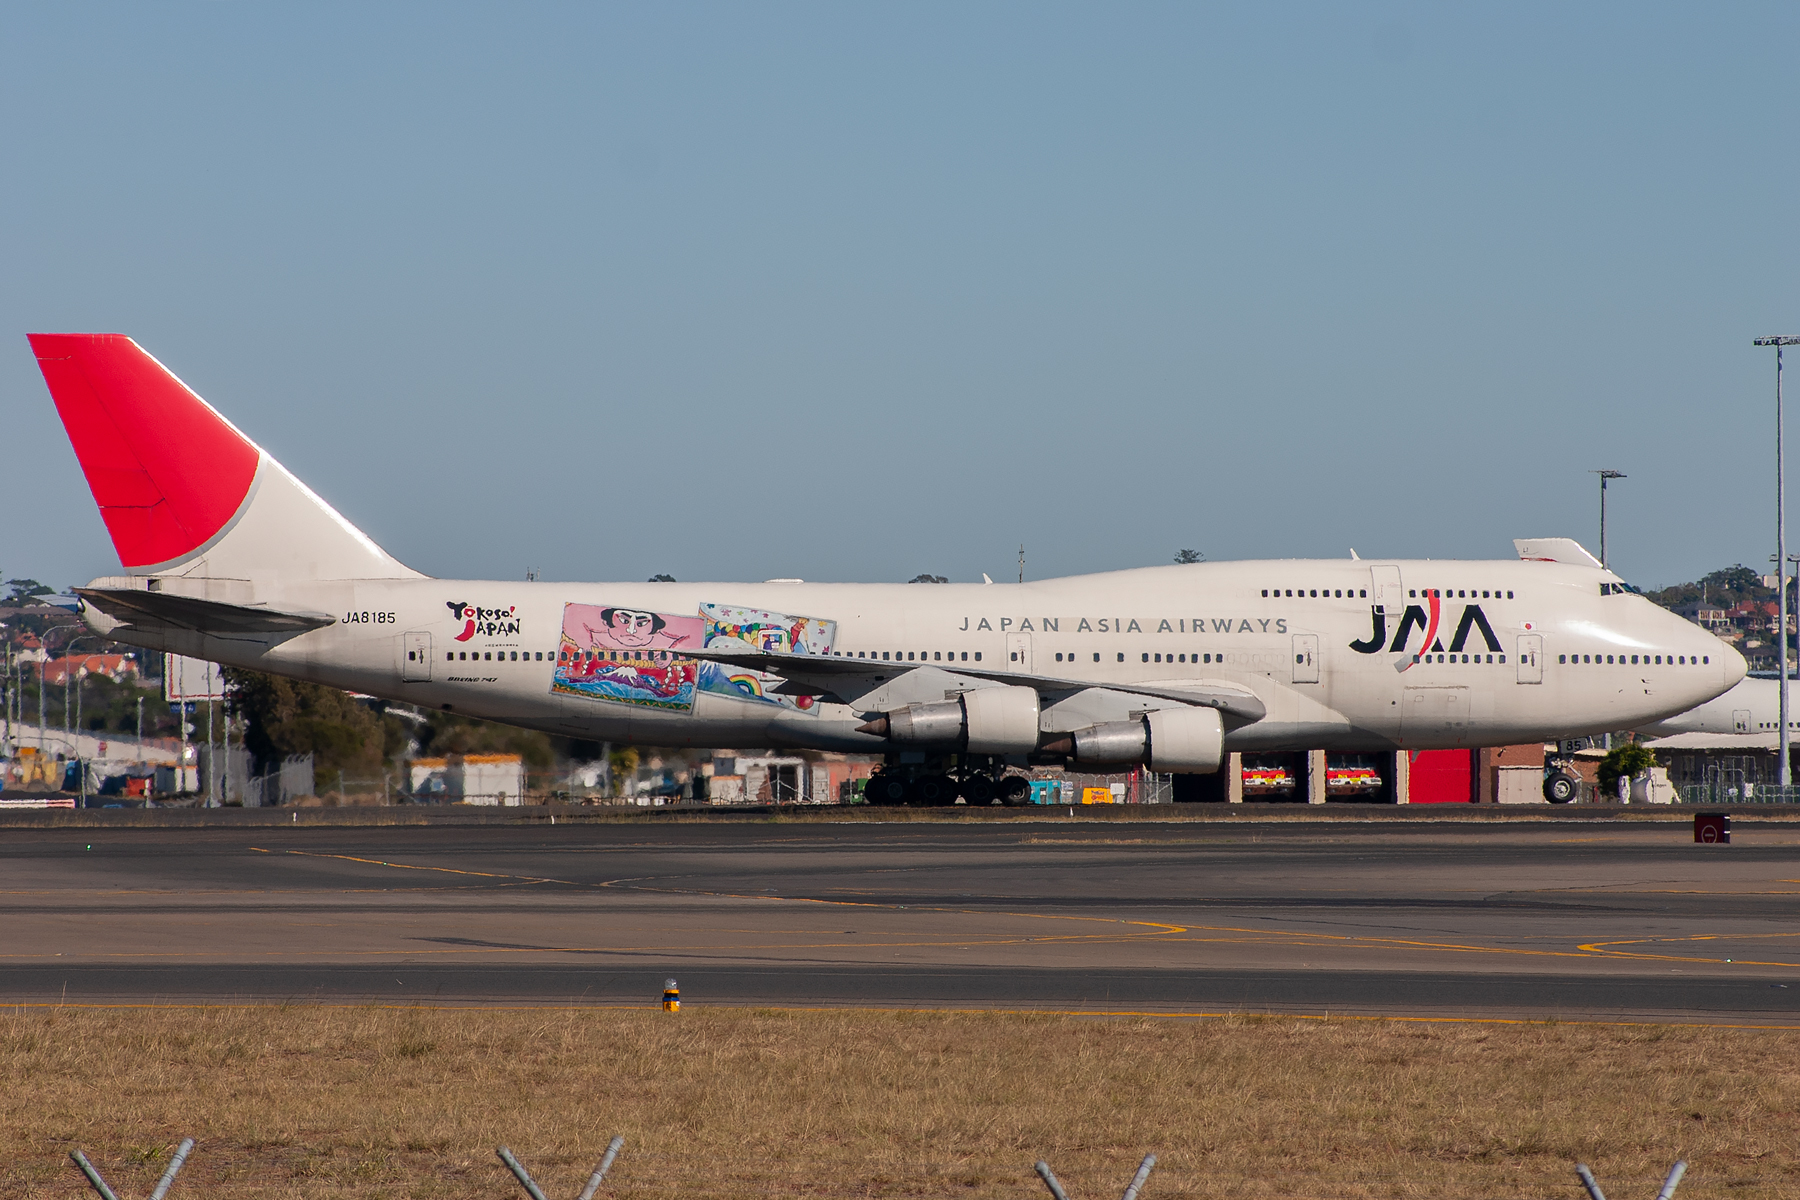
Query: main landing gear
[(929, 789)]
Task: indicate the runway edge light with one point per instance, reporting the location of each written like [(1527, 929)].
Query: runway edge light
[(671, 996)]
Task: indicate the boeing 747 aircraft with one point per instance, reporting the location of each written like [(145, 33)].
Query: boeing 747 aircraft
[(229, 557), (1752, 707)]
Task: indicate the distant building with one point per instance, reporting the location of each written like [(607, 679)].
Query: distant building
[(488, 779), (116, 667), (1710, 616)]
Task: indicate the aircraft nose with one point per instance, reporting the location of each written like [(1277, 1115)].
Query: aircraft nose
[(1732, 663)]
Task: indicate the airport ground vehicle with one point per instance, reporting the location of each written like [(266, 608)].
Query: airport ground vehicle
[(228, 557)]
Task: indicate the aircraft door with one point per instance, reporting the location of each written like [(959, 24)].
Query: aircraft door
[(1306, 658), (1740, 720), (1531, 658), (1018, 652), (415, 658), (1386, 590)]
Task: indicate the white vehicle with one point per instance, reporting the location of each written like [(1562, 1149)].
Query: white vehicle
[(1752, 707), (230, 558)]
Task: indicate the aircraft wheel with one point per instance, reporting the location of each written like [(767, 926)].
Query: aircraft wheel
[(978, 789), (935, 789), (1560, 787), (885, 789), (1014, 789)]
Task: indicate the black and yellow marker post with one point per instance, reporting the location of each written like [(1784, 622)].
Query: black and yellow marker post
[(671, 996)]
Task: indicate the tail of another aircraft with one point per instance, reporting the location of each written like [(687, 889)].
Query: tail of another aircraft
[(181, 490)]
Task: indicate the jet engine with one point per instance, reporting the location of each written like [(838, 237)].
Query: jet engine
[(1181, 740), (999, 720)]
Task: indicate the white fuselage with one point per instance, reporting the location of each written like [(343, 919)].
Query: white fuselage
[(1751, 707), (1345, 655)]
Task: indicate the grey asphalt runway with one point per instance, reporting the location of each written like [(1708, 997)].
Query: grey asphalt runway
[(1582, 920)]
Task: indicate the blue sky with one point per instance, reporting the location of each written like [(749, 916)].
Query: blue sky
[(854, 292)]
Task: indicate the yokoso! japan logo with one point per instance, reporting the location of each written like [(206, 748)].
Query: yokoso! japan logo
[(489, 622)]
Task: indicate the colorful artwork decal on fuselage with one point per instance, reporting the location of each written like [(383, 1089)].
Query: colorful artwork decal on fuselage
[(627, 655), (633, 656), (729, 626)]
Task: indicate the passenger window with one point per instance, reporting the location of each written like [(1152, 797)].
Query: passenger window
[(1209, 658), (1181, 657), (1147, 658), (1509, 595), (1096, 658), (1315, 593), (884, 655), (1562, 658), (1265, 593), (966, 656), (1707, 659), (1121, 657), (978, 656), (1059, 658), (1412, 594), (449, 656)]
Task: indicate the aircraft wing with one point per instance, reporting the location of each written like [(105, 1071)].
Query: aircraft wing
[(164, 611), (816, 671)]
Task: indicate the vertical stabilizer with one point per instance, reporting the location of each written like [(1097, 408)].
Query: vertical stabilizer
[(180, 489)]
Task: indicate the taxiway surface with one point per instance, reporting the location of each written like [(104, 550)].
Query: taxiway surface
[(1584, 920)]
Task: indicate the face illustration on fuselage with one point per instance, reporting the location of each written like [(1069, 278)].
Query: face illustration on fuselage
[(627, 628)]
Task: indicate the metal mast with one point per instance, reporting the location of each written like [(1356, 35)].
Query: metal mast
[(1783, 767)]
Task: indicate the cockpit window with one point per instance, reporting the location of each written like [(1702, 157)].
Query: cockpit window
[(1619, 589)]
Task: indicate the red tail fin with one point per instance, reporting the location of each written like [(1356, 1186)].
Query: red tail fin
[(168, 472)]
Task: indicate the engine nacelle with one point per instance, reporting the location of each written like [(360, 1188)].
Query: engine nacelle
[(1188, 741), (1178, 740), (1001, 720)]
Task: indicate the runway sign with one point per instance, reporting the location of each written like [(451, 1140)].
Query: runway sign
[(1712, 827)]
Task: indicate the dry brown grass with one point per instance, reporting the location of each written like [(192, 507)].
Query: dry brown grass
[(332, 1103)]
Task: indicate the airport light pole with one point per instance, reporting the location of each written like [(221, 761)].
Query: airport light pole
[(1784, 769), (1604, 476)]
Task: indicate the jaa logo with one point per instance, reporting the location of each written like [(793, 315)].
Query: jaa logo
[(1426, 617)]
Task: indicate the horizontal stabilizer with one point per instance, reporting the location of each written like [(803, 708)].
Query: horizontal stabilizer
[(1556, 550), (1241, 706), (162, 611)]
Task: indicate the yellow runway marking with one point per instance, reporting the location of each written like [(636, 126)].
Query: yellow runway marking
[(1149, 929), (1601, 948), (376, 862)]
